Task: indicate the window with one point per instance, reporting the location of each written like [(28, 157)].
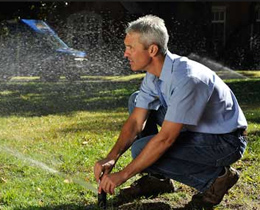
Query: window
[(218, 22), (255, 30)]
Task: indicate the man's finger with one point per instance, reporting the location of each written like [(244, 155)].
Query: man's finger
[(99, 189), (97, 177), (97, 174), (112, 189)]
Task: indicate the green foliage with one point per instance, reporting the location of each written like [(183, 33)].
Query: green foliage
[(51, 134)]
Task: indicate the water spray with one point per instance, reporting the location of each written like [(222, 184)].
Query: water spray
[(43, 166), (217, 67), (102, 197)]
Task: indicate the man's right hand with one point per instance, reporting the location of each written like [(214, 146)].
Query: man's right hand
[(103, 166)]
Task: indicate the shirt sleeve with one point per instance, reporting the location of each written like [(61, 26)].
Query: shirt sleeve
[(187, 102), (147, 97)]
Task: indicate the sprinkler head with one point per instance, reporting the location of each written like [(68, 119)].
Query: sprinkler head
[(102, 200)]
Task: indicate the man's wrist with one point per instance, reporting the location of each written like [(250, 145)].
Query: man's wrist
[(113, 156), (125, 174)]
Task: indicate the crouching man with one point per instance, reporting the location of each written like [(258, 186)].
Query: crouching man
[(202, 126)]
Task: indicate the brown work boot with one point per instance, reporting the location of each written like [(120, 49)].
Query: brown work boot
[(219, 188), (147, 186)]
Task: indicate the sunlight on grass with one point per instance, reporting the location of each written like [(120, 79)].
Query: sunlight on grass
[(69, 144), (117, 78), (252, 74), (7, 92)]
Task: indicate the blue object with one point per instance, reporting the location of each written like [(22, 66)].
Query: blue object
[(31, 47), (41, 27), (195, 96)]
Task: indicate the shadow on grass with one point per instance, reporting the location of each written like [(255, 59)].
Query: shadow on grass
[(246, 91), (154, 205), (161, 206), (38, 98), (150, 205), (60, 207)]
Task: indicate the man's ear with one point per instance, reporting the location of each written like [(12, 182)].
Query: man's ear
[(153, 50)]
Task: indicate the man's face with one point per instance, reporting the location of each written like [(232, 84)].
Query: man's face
[(135, 52)]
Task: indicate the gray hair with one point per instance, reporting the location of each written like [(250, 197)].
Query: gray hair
[(152, 30)]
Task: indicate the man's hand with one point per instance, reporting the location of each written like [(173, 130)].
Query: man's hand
[(110, 181), (102, 167)]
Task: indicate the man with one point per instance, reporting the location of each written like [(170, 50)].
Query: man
[(202, 125)]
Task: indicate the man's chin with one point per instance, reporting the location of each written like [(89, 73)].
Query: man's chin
[(135, 69)]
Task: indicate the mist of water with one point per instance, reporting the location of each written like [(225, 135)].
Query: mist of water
[(99, 35), (223, 71), (43, 166), (24, 54)]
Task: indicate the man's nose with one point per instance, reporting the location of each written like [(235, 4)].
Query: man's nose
[(126, 54)]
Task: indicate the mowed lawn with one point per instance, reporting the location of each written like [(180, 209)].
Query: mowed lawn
[(51, 134)]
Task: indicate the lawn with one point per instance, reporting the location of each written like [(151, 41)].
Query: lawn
[(51, 134)]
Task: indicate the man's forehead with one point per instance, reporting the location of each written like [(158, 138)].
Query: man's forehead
[(132, 37), (133, 34)]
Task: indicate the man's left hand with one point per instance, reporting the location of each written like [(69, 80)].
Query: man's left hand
[(110, 181)]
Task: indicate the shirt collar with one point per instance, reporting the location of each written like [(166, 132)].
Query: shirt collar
[(167, 66)]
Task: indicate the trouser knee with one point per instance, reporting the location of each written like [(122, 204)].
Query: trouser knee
[(136, 148), (134, 151), (132, 101), (139, 145)]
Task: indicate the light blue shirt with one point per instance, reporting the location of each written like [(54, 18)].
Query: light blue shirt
[(195, 96)]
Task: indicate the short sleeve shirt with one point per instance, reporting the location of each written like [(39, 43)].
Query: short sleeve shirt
[(195, 96)]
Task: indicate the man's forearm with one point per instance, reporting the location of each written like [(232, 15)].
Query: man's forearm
[(155, 148), (150, 154), (125, 140)]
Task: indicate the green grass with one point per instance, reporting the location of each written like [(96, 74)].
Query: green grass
[(51, 134)]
